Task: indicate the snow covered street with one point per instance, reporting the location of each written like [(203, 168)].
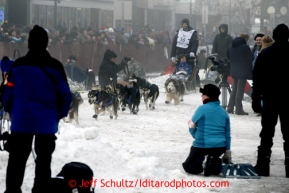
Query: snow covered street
[(153, 145)]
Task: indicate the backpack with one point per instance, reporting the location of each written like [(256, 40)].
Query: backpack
[(75, 177)]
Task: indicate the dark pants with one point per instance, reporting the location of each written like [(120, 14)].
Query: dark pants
[(194, 163), (19, 146), (237, 94), (198, 81), (272, 107)]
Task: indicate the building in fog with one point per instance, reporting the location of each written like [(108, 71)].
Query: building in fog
[(71, 13), (158, 14)]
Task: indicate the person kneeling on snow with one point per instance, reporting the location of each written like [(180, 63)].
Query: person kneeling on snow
[(210, 127)]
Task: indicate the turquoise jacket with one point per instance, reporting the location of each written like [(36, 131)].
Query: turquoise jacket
[(213, 126)]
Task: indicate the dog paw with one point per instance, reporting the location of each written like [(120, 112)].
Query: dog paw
[(182, 100), (167, 102), (95, 116), (111, 117), (153, 108), (134, 112)]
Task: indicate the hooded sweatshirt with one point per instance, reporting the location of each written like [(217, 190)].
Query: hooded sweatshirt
[(222, 42), (109, 69), (241, 57)]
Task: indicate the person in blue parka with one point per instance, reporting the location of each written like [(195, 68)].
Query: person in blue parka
[(37, 97)]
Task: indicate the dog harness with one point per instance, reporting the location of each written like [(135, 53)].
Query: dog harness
[(99, 99), (128, 100)]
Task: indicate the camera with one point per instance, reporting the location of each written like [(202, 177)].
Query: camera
[(221, 65), (127, 59)]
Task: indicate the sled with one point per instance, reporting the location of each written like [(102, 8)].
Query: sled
[(169, 70), (75, 73), (247, 87)]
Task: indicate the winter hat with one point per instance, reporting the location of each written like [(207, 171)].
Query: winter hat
[(258, 35), (6, 64), (281, 33), (38, 38), (103, 27), (211, 91), (110, 30), (89, 29), (109, 54), (97, 34), (72, 57), (186, 21)]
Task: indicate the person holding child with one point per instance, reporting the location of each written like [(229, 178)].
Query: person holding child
[(210, 127)]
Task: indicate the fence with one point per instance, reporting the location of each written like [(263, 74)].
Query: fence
[(90, 55)]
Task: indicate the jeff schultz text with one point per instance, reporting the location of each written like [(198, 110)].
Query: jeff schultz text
[(149, 183)]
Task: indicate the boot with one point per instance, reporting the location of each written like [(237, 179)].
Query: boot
[(208, 166), (287, 167), (230, 111), (213, 166), (195, 168), (241, 112), (217, 166), (263, 164)]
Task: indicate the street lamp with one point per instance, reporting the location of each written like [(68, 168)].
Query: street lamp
[(191, 5), (230, 28), (55, 12), (276, 10)]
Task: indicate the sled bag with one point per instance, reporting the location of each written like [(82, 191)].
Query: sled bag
[(75, 177), (241, 171)]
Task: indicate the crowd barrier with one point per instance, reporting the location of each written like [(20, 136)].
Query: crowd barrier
[(154, 58)]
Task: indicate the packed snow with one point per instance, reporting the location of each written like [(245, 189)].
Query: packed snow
[(152, 145)]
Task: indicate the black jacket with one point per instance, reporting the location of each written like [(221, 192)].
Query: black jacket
[(270, 74), (109, 69), (241, 57), (193, 45), (222, 42)]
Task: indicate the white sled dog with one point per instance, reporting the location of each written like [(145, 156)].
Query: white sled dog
[(175, 90)]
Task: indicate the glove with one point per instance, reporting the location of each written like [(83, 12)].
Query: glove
[(192, 54), (173, 59), (191, 124), (227, 157), (256, 103)]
